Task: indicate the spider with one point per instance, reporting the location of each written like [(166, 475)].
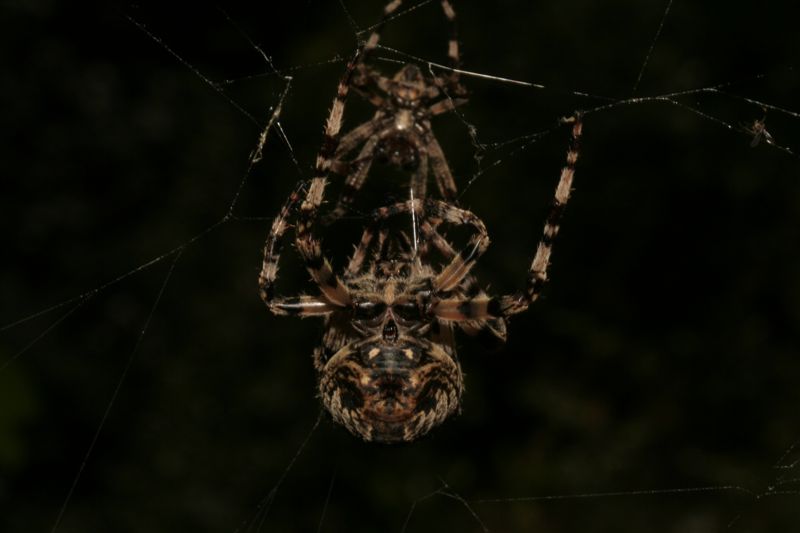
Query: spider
[(399, 133), (388, 369)]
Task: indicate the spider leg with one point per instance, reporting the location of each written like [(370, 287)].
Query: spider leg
[(298, 306), (360, 253), (440, 243), (537, 275), (308, 244), (481, 307), (444, 178), (310, 247), (438, 212), (360, 87), (453, 54), (469, 287), (302, 306), (379, 251), (273, 247), (360, 133), (491, 331), (330, 139), (466, 309), (355, 180), (375, 36), (419, 181), (443, 106)]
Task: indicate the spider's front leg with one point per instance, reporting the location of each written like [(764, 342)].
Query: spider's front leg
[(334, 293), (301, 305)]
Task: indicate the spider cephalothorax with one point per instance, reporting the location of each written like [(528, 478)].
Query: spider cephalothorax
[(407, 107)]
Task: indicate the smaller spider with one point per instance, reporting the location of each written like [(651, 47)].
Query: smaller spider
[(399, 133)]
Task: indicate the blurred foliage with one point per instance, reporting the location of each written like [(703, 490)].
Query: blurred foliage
[(663, 355)]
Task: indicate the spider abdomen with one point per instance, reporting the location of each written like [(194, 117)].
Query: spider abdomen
[(391, 392)]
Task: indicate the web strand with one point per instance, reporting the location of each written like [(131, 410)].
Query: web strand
[(652, 46), (115, 394)]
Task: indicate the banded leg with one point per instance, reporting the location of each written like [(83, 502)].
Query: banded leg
[(430, 235), (306, 241), (375, 36), (333, 125), (419, 181), (495, 327), (356, 263), (379, 252), (443, 106), (470, 309), (537, 275), (441, 171), (310, 248), (438, 212), (453, 53), (301, 306), (274, 245), (361, 133), (354, 181)]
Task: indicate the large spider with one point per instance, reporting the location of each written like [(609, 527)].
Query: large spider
[(387, 365), (399, 133)]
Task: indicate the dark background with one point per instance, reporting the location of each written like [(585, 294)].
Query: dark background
[(664, 354)]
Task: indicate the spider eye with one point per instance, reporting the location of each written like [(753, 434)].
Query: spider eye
[(369, 310), (407, 311)]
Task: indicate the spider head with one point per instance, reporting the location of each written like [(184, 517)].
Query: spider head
[(393, 383)]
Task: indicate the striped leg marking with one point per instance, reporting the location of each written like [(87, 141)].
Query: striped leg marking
[(537, 275)]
